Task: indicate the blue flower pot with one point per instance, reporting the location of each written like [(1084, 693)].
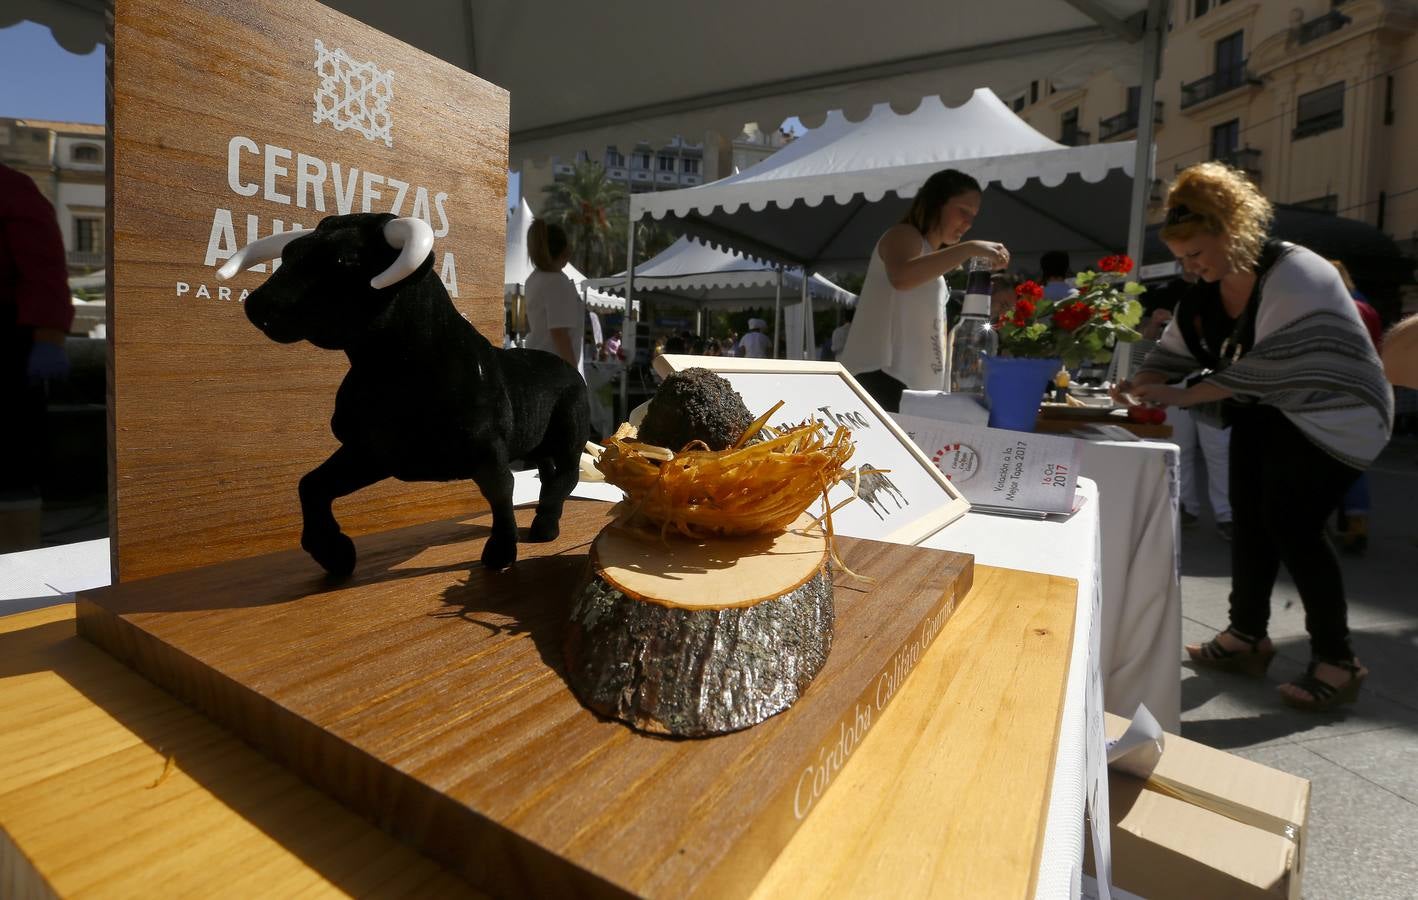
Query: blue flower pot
[(1015, 387)]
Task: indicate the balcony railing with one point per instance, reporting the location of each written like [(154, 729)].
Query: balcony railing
[(1217, 83), (1073, 137), (1247, 159), (1124, 122), (1318, 27), (85, 259)]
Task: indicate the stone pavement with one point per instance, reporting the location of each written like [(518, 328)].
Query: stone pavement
[(1362, 761)]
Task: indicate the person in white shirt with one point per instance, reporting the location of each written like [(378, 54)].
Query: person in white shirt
[(1054, 269), (556, 315), (756, 344), (839, 336), (897, 340)]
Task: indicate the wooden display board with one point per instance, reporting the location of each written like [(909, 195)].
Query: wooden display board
[(429, 694), (903, 496), (231, 121)]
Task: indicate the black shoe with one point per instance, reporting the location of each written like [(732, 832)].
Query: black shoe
[(1188, 519), (1227, 531)]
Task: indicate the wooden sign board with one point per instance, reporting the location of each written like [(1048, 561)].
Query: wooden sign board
[(904, 498), (231, 122), (430, 694)]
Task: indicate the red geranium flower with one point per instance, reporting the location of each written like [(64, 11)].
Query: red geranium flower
[(1070, 316), (1024, 307), (1120, 264), (1030, 289)]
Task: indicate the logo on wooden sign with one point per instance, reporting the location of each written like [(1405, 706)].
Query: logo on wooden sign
[(353, 94)]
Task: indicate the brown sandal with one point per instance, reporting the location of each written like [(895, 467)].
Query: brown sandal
[(1213, 655), (1324, 695)]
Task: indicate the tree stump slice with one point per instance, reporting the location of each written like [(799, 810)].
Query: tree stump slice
[(700, 638)]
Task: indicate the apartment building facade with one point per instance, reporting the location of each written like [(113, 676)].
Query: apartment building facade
[(66, 161), (1316, 100), (642, 167)]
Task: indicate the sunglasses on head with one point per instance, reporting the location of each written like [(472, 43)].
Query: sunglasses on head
[(1181, 213)]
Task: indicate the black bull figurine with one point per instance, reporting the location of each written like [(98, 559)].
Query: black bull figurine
[(427, 398)]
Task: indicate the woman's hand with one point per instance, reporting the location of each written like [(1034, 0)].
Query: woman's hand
[(1125, 391), (996, 253), (1161, 394)]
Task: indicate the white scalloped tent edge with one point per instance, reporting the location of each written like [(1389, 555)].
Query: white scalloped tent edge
[(691, 264), (891, 152)]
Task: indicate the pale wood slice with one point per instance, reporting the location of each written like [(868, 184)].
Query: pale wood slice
[(719, 574)]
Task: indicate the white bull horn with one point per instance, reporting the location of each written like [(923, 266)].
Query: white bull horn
[(257, 252), (414, 239)]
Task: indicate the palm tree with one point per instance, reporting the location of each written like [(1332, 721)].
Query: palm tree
[(585, 205)]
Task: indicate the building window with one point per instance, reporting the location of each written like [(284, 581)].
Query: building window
[(88, 235), (642, 160), (667, 163), (1319, 111), (614, 158), (86, 153), (1017, 104), (1202, 7), (1068, 129), (1388, 100), (1230, 60), (1225, 139), (1033, 92), (691, 167)]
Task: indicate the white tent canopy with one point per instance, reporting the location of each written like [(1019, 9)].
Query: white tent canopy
[(517, 264), (583, 77), (693, 272), (825, 199)]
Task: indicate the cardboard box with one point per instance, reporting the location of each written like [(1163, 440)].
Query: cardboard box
[(1207, 824)]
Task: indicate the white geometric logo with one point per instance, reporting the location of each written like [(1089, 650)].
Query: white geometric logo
[(353, 95)]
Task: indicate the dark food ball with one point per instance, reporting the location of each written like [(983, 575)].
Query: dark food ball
[(695, 405)]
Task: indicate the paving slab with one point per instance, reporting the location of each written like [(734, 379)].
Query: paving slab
[(1361, 834)]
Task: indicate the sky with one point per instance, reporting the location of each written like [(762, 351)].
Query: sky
[(44, 81)]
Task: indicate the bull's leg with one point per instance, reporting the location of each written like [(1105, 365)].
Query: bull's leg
[(343, 473), (494, 479), (560, 467)]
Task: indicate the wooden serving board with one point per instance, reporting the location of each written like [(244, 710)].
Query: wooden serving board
[(429, 696)]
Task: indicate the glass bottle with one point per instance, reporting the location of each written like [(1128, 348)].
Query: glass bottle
[(974, 338)]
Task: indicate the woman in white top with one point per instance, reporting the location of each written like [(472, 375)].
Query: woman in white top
[(897, 341), (556, 315)]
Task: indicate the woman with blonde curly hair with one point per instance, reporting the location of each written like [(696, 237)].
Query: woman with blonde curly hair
[(1284, 358)]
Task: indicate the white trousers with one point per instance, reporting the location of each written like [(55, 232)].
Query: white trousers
[(1215, 446)]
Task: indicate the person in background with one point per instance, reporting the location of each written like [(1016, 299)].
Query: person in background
[(1353, 518), (1055, 270), (556, 315), (36, 310), (897, 340), (1192, 434), (612, 347), (712, 347), (755, 344), (1282, 350), (839, 334), (1002, 297)]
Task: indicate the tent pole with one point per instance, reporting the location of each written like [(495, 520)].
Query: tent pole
[(629, 307), (777, 310), (1153, 30), (804, 338)]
